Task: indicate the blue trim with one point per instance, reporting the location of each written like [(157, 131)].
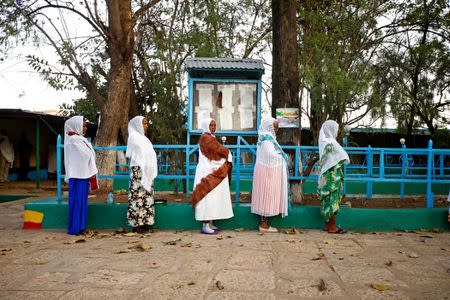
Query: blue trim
[(226, 80), (191, 83), (258, 106), (58, 167), (190, 103)]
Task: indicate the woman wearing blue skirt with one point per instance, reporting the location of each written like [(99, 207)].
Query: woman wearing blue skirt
[(79, 162)]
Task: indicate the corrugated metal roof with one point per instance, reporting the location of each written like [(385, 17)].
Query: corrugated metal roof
[(224, 63)]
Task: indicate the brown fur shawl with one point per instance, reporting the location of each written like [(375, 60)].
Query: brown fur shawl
[(213, 150)]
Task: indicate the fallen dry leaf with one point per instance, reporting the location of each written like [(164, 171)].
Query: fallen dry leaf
[(187, 245), (6, 251), (319, 256), (340, 258), (132, 242), (413, 255), (123, 251), (426, 236), (141, 247), (219, 238), (179, 231), (239, 229), (80, 241), (291, 231), (389, 263), (219, 285), (290, 241), (229, 237), (445, 249), (128, 234), (380, 287), (322, 286), (191, 283), (328, 242), (261, 233), (90, 233), (69, 242), (436, 230), (120, 231), (27, 242), (171, 243)]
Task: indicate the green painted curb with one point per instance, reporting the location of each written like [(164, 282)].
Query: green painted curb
[(181, 216)]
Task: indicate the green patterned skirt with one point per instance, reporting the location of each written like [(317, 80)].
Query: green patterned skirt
[(331, 190)]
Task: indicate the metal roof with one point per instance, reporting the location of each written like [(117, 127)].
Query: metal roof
[(20, 113), (224, 63)]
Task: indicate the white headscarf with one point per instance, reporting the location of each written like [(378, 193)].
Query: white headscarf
[(205, 125), (79, 155), (328, 134), (266, 127), (141, 153), (7, 149)]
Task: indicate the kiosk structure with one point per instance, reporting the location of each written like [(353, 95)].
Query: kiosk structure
[(226, 89)]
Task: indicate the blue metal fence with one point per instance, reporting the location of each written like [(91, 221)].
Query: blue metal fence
[(368, 164)]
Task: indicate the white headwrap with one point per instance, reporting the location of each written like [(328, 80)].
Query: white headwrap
[(266, 126), (328, 134), (79, 155), (7, 149), (141, 153), (205, 125)]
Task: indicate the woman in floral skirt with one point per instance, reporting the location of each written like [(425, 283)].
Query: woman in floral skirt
[(144, 168), (331, 174)]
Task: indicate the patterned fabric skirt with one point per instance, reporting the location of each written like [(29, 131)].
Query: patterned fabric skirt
[(330, 190), (141, 210)]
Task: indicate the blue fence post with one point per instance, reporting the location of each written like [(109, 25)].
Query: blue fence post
[(187, 171), (441, 164), (238, 169), (345, 165), (369, 172), (430, 197), (404, 162), (296, 164), (58, 168), (381, 174)]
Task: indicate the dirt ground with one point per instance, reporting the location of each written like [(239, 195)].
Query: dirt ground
[(234, 264)]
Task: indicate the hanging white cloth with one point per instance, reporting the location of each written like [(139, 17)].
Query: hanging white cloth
[(7, 149), (215, 205), (327, 135), (141, 153), (79, 155), (270, 180)]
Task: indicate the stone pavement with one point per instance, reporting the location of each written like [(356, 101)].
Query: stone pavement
[(309, 264)]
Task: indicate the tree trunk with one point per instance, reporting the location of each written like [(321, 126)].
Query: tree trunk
[(115, 110), (285, 72)]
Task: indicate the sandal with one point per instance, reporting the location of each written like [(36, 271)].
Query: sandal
[(208, 233), (339, 231)]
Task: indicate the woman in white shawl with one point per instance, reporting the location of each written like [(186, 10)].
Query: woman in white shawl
[(331, 174), (6, 155), (144, 169), (270, 179), (79, 162), (211, 196)]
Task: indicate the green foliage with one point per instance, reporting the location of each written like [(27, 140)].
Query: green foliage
[(336, 43), (80, 107), (414, 68)]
